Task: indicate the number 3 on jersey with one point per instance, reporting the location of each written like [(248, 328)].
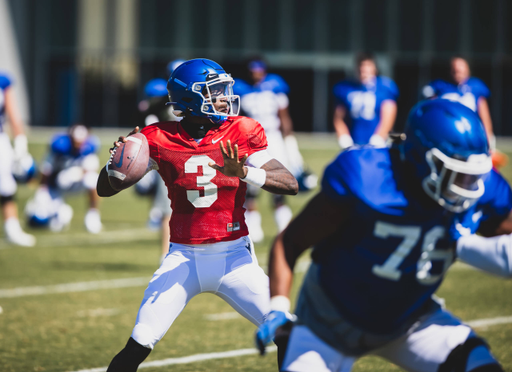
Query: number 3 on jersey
[(204, 181), (411, 235)]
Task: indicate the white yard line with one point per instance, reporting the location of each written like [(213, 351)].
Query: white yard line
[(73, 287), (222, 316), (93, 313), (191, 359), (104, 237), (489, 321)]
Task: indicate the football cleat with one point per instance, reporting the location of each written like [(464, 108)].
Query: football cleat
[(92, 221), (16, 235)]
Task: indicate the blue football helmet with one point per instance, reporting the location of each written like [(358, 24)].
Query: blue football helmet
[(447, 145), (156, 88), (24, 168), (196, 85)]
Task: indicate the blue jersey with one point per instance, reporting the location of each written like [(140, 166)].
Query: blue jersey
[(262, 101), (467, 93), (5, 82), (381, 268), (363, 103), (61, 145), (62, 155), (490, 210)]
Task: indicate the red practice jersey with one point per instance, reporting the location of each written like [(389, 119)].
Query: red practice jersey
[(207, 206)]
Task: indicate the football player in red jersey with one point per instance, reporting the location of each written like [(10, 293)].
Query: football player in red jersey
[(210, 250)]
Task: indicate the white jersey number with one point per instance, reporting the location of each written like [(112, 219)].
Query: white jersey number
[(204, 181), (363, 104), (411, 235)]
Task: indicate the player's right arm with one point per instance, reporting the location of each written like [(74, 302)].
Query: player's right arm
[(340, 126), (103, 187), (320, 218)]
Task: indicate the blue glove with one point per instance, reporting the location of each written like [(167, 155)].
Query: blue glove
[(267, 331)]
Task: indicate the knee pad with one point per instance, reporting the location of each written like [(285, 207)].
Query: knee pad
[(5, 199), (143, 334), (457, 360)]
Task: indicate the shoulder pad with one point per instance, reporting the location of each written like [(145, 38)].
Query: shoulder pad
[(4, 81), (389, 85), (343, 88), (61, 144), (479, 87), (90, 146), (278, 83), (241, 87)]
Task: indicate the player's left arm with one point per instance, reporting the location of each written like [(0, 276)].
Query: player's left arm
[(485, 116), (271, 176), (286, 121), (11, 109), (505, 227), (387, 119)]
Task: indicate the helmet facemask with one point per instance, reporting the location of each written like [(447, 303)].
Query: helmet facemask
[(456, 184), (215, 91)]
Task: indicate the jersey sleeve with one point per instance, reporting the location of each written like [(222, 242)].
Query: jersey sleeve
[(278, 83), (434, 88), (479, 87), (5, 81), (241, 87), (390, 91), (340, 92), (495, 204), (252, 137)]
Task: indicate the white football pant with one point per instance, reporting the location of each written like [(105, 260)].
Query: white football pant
[(227, 269), (423, 349), (7, 182)]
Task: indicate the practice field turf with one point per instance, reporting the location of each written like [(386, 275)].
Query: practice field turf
[(70, 303)]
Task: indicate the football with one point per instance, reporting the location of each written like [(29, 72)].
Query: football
[(129, 162)]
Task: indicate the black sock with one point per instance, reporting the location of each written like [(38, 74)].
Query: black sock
[(129, 358)]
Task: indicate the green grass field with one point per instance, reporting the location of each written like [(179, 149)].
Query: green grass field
[(82, 328)]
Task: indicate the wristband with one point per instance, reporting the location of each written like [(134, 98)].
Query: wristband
[(280, 303), (255, 176), (492, 142), (345, 141)]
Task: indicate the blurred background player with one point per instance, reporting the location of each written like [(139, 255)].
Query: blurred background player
[(71, 166), (9, 160), (365, 107), (389, 221), (471, 92), (154, 110), (265, 100)]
